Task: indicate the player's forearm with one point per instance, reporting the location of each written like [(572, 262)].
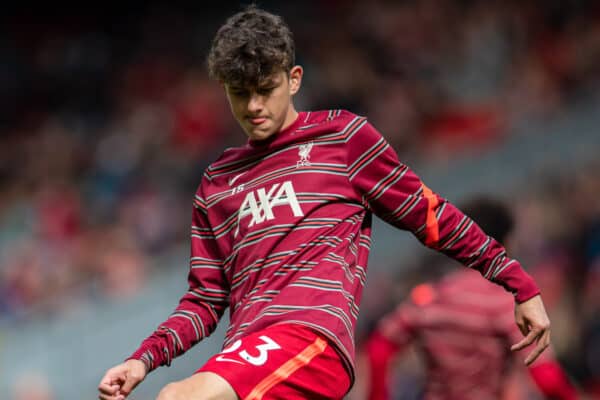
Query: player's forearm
[(154, 351), (552, 381), (188, 324), (458, 236)]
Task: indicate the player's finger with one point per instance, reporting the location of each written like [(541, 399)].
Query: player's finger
[(527, 340), (130, 384), (116, 396), (113, 376), (111, 397), (535, 353), (523, 328), (105, 381), (542, 344), (108, 389)]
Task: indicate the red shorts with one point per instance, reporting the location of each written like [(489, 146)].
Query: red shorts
[(285, 361)]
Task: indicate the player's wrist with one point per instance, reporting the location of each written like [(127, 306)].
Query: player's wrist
[(145, 357), (527, 291), (138, 366), (520, 283)]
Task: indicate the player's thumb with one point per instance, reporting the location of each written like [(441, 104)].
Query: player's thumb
[(131, 382)]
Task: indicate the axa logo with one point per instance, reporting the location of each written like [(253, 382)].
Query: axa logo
[(259, 204)]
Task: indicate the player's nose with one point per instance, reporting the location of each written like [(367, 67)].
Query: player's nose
[(255, 103)]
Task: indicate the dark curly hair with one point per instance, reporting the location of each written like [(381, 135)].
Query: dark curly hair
[(251, 45)]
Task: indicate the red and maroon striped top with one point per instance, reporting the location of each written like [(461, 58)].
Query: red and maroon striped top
[(281, 233)]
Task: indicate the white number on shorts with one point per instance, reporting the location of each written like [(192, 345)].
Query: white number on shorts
[(262, 348), (233, 347), (230, 349)]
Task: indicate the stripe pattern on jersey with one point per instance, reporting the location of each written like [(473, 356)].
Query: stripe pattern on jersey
[(273, 271)]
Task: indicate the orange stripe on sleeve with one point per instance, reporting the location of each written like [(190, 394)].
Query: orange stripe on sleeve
[(432, 230), (291, 366)]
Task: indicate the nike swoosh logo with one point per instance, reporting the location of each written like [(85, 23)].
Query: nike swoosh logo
[(222, 358), (235, 178)]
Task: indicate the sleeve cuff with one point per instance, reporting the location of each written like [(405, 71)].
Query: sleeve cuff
[(517, 281), (145, 356)]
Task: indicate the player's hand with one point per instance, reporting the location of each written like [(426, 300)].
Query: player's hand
[(534, 324), (119, 381)]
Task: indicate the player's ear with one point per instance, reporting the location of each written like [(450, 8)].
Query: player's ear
[(295, 79)]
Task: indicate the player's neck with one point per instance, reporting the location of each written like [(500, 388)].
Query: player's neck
[(290, 118)]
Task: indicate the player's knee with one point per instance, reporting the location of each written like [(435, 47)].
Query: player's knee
[(173, 391)]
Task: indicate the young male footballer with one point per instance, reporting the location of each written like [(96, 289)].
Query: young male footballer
[(281, 233)]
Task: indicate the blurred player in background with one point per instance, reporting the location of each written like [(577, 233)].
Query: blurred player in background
[(463, 327), (281, 233)]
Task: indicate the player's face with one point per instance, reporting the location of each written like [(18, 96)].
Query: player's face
[(266, 109)]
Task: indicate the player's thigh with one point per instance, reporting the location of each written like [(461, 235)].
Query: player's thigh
[(200, 386)]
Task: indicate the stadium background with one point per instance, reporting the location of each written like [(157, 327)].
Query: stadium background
[(107, 120)]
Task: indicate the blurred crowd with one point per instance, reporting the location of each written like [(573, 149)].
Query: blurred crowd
[(107, 120)]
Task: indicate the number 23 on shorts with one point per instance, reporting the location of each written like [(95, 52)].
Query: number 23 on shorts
[(254, 358)]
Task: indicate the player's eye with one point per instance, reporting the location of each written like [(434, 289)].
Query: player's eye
[(238, 92), (265, 91)]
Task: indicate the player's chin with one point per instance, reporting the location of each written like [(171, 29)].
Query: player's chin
[(260, 133)]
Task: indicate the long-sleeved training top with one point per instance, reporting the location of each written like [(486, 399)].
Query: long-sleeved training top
[(281, 232)]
